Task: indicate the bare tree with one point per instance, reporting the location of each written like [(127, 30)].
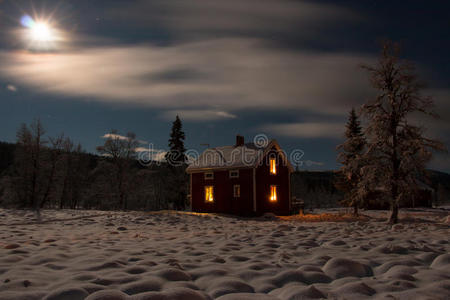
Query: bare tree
[(29, 163), (397, 150), (69, 154), (77, 166), (121, 152), (23, 166), (55, 152)]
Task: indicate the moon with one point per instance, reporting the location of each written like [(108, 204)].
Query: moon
[(41, 32)]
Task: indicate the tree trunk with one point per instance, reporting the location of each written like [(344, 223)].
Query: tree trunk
[(355, 210), (49, 183), (124, 201), (120, 188), (64, 190), (393, 219), (33, 198)]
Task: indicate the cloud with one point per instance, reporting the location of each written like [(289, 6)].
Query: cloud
[(193, 19), (11, 88), (144, 153), (151, 154), (435, 128), (141, 149), (198, 115), (231, 74), (114, 136), (160, 156), (307, 130), (120, 137), (220, 56)]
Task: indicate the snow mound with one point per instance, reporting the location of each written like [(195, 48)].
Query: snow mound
[(342, 267), (146, 285), (67, 294), (441, 262), (174, 294), (247, 296), (359, 288), (108, 295)]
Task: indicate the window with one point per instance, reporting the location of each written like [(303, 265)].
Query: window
[(234, 174), (209, 175), (236, 190), (273, 193), (209, 193), (273, 166)]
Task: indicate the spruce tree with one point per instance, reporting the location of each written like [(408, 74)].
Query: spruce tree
[(351, 157), (176, 160), (176, 155)]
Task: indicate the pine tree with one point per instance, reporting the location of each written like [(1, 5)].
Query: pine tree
[(397, 150), (176, 155), (176, 159), (351, 157)]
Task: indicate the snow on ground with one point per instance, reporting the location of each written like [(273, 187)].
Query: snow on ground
[(167, 255)]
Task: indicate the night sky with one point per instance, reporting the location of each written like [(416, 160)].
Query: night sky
[(287, 69)]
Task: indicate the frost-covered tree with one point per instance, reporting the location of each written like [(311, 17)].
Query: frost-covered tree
[(30, 164), (55, 152), (397, 150), (351, 157)]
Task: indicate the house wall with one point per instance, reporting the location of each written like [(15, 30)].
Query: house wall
[(263, 182), (224, 202)]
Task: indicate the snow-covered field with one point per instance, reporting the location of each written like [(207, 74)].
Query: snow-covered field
[(167, 255)]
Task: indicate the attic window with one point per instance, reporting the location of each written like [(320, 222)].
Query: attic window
[(209, 193), (234, 174), (273, 193), (209, 175), (273, 166)]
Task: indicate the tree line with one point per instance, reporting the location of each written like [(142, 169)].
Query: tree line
[(389, 155), (55, 172)]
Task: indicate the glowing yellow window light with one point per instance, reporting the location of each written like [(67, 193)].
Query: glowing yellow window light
[(209, 193), (273, 166), (273, 193)]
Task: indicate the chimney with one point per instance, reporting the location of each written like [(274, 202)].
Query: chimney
[(239, 140)]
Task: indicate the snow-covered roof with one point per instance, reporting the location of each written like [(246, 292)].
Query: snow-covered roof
[(248, 155)]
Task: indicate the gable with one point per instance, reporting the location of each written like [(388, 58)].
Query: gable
[(234, 157), (274, 150)]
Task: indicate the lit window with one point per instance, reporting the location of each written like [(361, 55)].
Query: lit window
[(234, 174), (273, 166), (209, 193), (237, 190), (273, 193), (209, 175)]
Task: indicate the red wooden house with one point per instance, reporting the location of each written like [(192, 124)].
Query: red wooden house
[(243, 179)]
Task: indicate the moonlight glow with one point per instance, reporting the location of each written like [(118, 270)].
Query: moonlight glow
[(40, 35), (41, 32)]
